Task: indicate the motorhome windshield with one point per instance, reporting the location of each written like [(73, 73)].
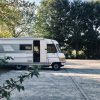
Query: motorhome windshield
[(58, 48), (51, 48)]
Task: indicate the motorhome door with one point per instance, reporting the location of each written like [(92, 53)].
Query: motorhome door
[(36, 51), (43, 51)]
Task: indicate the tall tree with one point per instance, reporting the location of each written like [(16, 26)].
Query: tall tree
[(74, 24), (75, 39), (60, 20), (9, 15), (52, 20), (17, 16), (27, 22), (91, 27)]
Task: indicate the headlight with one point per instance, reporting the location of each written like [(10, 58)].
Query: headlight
[(62, 59)]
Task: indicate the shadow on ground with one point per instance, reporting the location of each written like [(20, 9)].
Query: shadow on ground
[(84, 70), (75, 70), (62, 70)]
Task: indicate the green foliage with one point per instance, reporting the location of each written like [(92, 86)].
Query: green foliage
[(75, 25), (9, 16), (51, 18), (12, 84), (17, 17), (27, 21), (5, 34), (4, 60)]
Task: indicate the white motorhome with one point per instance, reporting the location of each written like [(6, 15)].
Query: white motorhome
[(32, 51)]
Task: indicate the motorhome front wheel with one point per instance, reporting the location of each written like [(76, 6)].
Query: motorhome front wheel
[(56, 66)]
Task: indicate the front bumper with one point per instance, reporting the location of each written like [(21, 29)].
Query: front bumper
[(63, 63)]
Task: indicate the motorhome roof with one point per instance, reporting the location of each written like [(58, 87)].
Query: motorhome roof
[(29, 38), (25, 38)]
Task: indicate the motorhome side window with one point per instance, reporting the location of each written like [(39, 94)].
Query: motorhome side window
[(51, 48), (25, 47)]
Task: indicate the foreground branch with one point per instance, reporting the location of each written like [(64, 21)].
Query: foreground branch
[(12, 84)]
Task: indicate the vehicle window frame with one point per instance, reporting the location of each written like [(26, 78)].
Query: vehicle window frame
[(52, 47), (22, 47), (58, 48)]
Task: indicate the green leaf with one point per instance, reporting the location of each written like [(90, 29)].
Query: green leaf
[(32, 74), (18, 87), (8, 58), (22, 87), (8, 96), (21, 79), (8, 82), (11, 80), (4, 93)]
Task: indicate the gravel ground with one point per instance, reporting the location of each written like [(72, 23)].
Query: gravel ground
[(57, 85)]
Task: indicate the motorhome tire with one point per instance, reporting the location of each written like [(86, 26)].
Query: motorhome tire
[(56, 66), (19, 67)]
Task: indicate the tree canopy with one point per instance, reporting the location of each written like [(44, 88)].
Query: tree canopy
[(75, 25), (16, 17), (9, 16)]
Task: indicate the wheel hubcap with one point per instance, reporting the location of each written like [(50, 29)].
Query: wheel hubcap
[(56, 66), (18, 67)]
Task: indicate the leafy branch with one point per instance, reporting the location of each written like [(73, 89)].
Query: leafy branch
[(12, 84)]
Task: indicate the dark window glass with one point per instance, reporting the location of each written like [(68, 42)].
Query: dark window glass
[(25, 47), (51, 48)]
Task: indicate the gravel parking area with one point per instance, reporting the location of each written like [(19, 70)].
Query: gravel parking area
[(78, 80)]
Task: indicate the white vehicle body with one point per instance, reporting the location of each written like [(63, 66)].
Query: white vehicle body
[(31, 51)]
